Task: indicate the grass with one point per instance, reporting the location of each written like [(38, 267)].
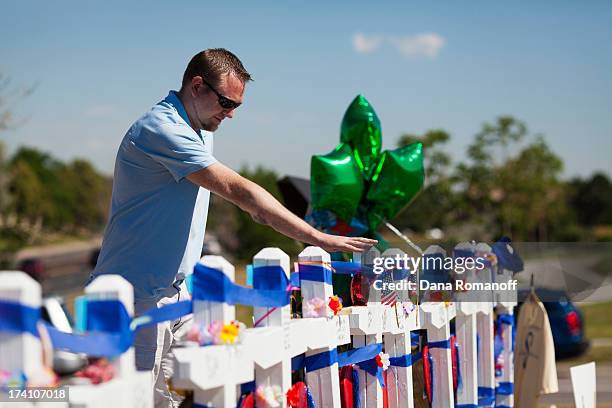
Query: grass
[(598, 320), (597, 354), (598, 325)]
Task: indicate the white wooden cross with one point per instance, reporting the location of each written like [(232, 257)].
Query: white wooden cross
[(20, 351), (505, 302), (273, 367), (484, 324), (129, 388), (436, 318), (465, 328), (366, 328), (396, 335), (325, 382)]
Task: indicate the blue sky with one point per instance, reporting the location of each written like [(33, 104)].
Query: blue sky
[(450, 65)]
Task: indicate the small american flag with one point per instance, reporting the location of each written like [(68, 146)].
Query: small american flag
[(388, 296)]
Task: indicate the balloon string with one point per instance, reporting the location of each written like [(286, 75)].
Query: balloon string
[(411, 244), (403, 237)]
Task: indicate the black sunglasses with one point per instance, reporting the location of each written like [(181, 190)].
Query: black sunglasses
[(224, 102)]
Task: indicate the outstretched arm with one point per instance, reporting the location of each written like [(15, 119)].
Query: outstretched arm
[(266, 209)]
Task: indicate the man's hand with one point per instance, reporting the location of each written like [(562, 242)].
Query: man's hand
[(265, 209), (335, 243)]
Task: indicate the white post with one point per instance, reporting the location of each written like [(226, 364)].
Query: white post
[(325, 382), (205, 313), (115, 287), (397, 344), (129, 388), (371, 393), (20, 351), (278, 374), (436, 321), (465, 327), (506, 301), (484, 323)]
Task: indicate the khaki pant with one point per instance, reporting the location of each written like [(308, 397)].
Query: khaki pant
[(153, 346)]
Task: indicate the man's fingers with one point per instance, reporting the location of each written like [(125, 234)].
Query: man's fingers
[(367, 240)]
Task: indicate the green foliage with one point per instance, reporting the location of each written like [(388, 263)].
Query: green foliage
[(239, 234), (510, 185), (60, 197), (592, 200)]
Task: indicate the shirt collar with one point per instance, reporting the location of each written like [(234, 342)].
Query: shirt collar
[(174, 100)]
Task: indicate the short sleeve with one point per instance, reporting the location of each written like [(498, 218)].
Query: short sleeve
[(177, 147)]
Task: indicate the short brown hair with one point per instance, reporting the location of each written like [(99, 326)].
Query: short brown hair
[(211, 64)]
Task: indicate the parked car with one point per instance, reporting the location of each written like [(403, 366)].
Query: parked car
[(566, 321), (54, 312), (33, 267)]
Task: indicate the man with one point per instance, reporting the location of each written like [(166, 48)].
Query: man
[(164, 173)]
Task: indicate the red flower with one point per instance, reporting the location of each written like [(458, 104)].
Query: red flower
[(296, 395), (335, 304)]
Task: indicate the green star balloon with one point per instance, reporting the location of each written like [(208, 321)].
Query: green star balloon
[(362, 131), (336, 183), (396, 180)]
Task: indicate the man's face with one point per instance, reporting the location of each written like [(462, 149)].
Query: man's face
[(209, 112)]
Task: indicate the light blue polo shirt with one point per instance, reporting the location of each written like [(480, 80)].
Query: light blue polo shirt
[(157, 218)]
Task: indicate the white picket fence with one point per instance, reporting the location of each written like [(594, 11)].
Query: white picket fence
[(265, 353)]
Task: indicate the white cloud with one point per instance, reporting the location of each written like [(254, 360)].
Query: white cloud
[(365, 44), (419, 45)]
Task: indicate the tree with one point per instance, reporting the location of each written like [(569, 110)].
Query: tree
[(519, 194), (592, 200), (238, 232)]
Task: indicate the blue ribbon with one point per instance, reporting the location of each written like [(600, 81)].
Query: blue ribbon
[(498, 342), (213, 285), (356, 393), (443, 344), (294, 279), (298, 362), (508, 319), (18, 318), (370, 367), (247, 387), (414, 339), (505, 388), (349, 268), (406, 360), (315, 273), (329, 357), (309, 398), (92, 344), (458, 365), (359, 355), (486, 396), (321, 360), (401, 361)]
